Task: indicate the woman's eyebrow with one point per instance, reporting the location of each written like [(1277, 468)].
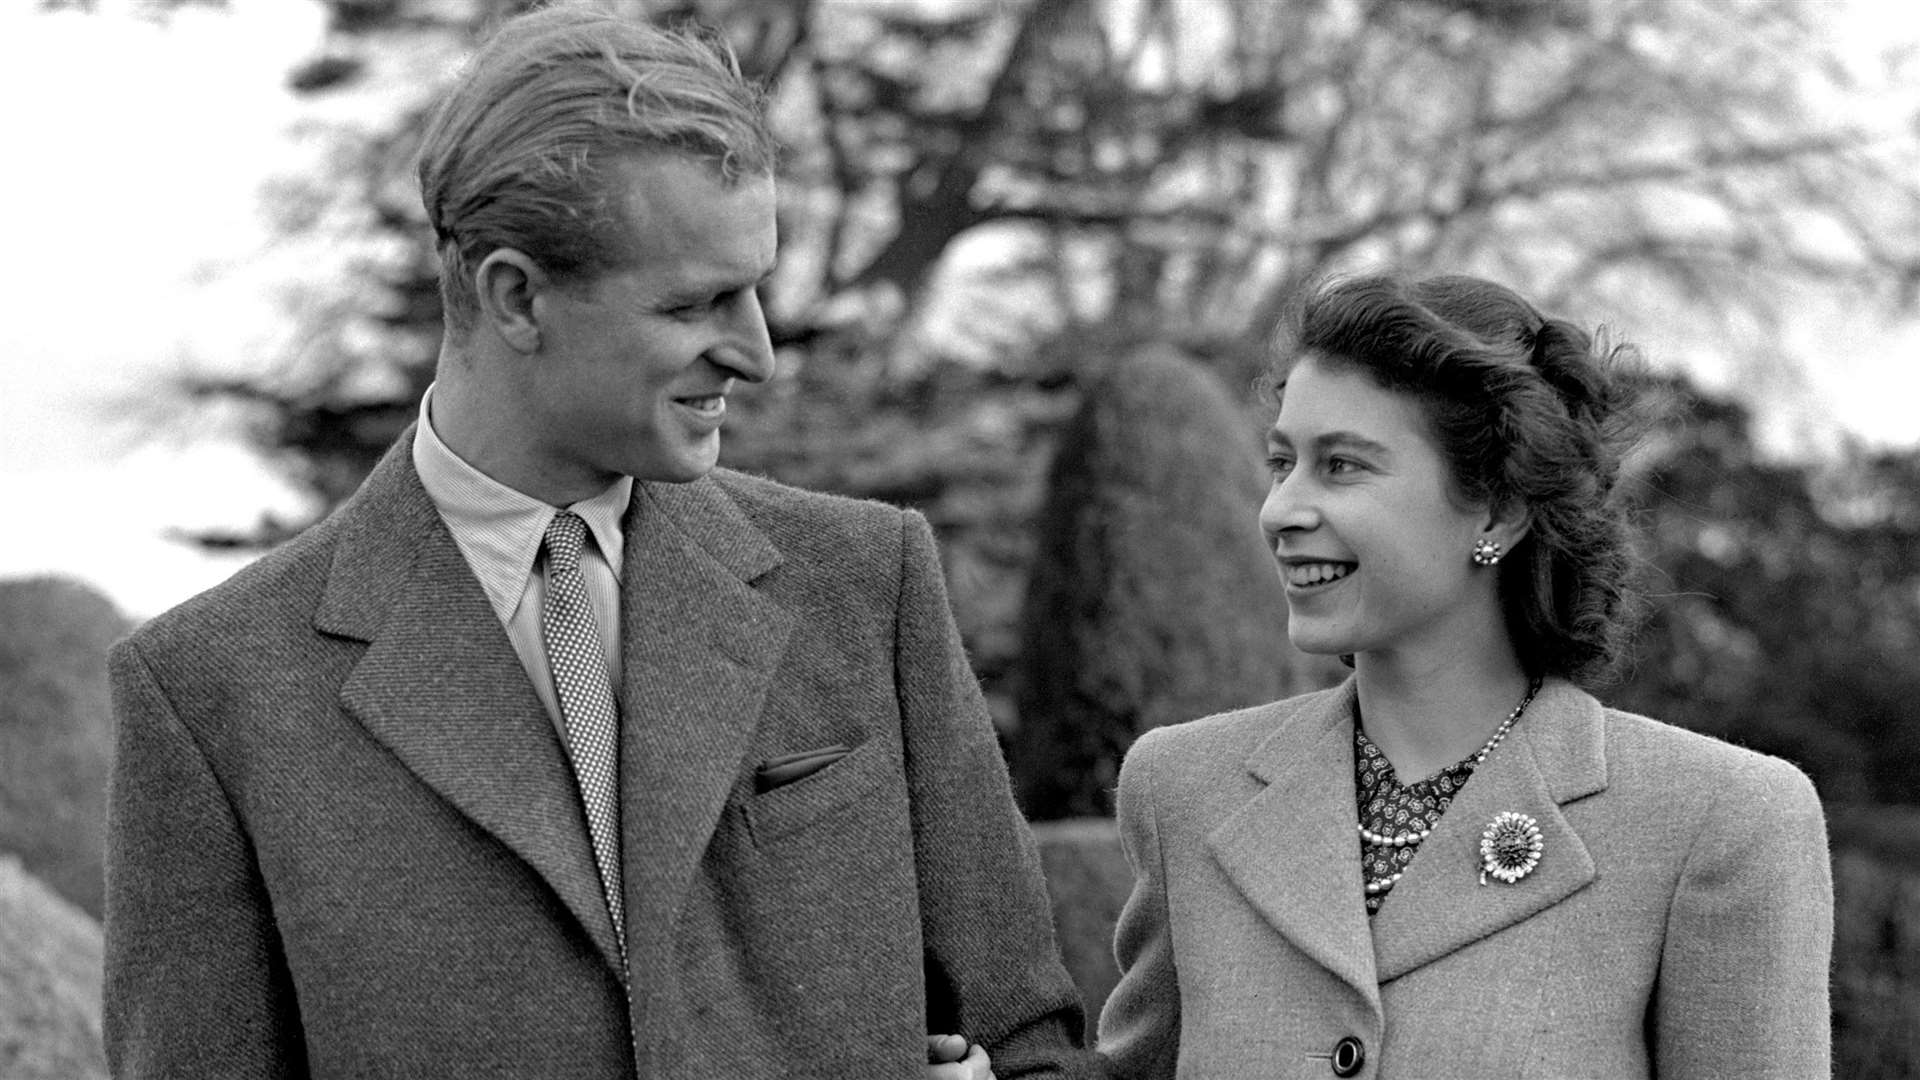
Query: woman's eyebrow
[(1332, 440), (1350, 440)]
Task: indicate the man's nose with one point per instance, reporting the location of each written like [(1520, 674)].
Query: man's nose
[(748, 348)]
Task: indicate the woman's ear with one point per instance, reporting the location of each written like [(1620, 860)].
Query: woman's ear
[(507, 282), (1506, 524)]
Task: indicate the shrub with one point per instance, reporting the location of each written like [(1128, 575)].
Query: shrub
[(1152, 597)]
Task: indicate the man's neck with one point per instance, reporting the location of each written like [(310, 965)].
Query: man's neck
[(469, 422)]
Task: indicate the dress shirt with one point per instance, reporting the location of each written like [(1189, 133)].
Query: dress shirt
[(499, 531)]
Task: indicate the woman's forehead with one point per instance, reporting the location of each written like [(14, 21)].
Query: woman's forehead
[(1318, 397)]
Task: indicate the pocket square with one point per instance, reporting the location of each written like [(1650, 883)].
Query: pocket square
[(785, 769)]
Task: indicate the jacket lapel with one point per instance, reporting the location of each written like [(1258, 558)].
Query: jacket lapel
[(701, 646), (1555, 755), (1291, 849), (441, 687)]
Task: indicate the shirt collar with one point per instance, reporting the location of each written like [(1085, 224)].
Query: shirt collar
[(499, 529)]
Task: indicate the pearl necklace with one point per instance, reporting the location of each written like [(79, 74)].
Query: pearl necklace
[(1409, 839)]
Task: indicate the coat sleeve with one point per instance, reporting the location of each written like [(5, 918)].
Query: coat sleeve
[(1744, 969), (195, 983), (993, 968), (1140, 1026)]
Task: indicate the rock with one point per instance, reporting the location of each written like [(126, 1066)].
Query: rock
[(50, 954), (56, 731)]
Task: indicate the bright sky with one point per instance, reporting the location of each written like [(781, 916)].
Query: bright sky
[(136, 156)]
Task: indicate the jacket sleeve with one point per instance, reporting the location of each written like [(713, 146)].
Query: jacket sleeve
[(993, 968), (1744, 970), (1140, 1026), (195, 984)]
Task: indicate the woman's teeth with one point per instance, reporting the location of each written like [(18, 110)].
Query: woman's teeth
[(1320, 573)]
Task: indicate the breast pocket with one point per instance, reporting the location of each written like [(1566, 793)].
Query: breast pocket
[(843, 785)]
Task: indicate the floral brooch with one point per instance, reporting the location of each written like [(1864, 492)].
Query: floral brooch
[(1510, 848)]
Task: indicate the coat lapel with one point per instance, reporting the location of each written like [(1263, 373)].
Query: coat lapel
[(1291, 849), (441, 687), (701, 646), (1555, 755)]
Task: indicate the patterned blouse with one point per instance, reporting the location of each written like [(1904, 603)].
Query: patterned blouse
[(1390, 808)]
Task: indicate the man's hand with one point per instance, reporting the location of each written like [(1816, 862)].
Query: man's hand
[(950, 1057)]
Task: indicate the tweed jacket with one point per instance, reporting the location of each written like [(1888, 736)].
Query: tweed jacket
[(1678, 924), (344, 840)]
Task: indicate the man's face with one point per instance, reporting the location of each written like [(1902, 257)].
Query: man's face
[(633, 367)]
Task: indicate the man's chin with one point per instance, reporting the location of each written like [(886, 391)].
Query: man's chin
[(682, 468)]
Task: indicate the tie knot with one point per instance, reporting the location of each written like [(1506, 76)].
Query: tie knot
[(566, 533)]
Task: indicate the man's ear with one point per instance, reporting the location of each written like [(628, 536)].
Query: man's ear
[(507, 282)]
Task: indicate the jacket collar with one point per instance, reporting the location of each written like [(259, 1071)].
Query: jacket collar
[(701, 647), (441, 687), (1292, 848), (1555, 755)]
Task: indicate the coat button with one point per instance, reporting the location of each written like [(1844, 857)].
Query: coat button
[(1348, 1055)]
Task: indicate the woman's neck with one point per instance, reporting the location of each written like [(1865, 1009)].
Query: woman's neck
[(1427, 716)]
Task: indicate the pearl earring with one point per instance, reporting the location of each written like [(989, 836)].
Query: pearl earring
[(1487, 553)]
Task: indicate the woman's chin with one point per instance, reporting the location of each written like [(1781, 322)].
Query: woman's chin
[(1319, 644)]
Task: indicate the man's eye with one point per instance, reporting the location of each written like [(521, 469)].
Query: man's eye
[(1337, 465)]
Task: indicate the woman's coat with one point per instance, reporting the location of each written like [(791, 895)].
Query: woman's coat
[(1678, 924)]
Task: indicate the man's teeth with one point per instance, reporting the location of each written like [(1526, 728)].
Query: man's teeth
[(1317, 573)]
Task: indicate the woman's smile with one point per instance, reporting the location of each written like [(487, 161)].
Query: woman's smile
[(1306, 575)]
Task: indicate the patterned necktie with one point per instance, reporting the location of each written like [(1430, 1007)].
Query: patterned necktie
[(586, 700)]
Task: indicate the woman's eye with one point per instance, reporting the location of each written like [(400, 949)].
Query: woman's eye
[(1279, 464)]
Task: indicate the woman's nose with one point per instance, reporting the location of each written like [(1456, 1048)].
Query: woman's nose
[(1287, 508)]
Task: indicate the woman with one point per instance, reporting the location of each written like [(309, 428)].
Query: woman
[(1458, 863)]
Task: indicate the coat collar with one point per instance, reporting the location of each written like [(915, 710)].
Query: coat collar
[(1555, 755), (1292, 848), (442, 688), (701, 648)]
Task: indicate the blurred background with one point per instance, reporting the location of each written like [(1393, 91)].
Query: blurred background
[(1033, 253)]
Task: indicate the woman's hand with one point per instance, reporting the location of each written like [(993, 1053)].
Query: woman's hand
[(951, 1057)]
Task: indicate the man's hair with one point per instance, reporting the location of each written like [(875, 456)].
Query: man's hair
[(1527, 409), (517, 153)]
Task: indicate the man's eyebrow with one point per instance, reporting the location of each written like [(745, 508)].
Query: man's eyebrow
[(699, 291)]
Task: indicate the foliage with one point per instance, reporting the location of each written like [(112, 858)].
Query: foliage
[(1152, 598), (50, 954), (56, 731), (1787, 601), (984, 197)]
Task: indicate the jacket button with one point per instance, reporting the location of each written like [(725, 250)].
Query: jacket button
[(1348, 1055)]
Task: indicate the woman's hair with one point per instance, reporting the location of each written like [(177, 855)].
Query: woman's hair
[(515, 154), (1526, 410)]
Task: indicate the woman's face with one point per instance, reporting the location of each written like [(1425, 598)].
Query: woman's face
[(1374, 544)]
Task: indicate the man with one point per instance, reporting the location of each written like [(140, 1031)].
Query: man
[(556, 752)]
